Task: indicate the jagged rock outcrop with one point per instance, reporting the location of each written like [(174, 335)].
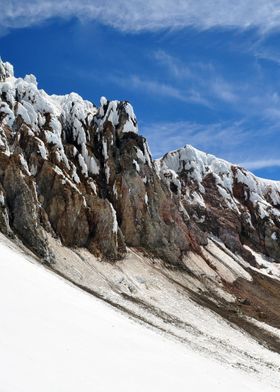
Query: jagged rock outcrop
[(225, 200), (83, 174)]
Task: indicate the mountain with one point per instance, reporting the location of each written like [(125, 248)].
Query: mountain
[(186, 243)]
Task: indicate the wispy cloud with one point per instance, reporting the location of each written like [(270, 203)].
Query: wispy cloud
[(261, 164), (158, 88), (176, 67), (266, 54), (203, 77), (218, 138), (246, 97), (151, 15), (223, 90)]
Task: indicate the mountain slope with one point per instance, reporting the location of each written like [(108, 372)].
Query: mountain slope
[(79, 188), (55, 337)]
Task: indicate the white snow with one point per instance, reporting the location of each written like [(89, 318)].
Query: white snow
[(83, 165), (57, 338), (136, 164), (115, 191), (42, 149), (112, 115), (92, 185), (24, 165), (140, 155), (266, 265), (146, 199), (2, 199), (107, 173), (147, 154), (225, 265), (115, 222), (105, 150), (103, 101)]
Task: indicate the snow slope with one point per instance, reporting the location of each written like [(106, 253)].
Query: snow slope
[(54, 337)]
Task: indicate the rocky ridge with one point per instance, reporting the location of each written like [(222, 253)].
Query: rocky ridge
[(83, 174), (78, 186), (225, 200)]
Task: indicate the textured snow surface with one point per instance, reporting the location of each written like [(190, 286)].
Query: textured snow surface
[(57, 338)]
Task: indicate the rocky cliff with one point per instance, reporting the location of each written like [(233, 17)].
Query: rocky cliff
[(78, 185), (84, 175), (225, 200)]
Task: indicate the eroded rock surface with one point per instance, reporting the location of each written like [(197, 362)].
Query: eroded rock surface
[(225, 200), (83, 174)]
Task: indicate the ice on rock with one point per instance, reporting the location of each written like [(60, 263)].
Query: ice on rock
[(136, 164), (107, 173), (131, 123), (83, 165), (9, 114), (24, 165), (9, 70), (119, 114), (115, 222), (105, 150), (31, 79), (2, 71), (115, 191), (197, 164), (147, 154), (6, 70), (42, 149), (103, 101), (92, 185), (2, 199), (140, 155), (21, 111), (146, 199)]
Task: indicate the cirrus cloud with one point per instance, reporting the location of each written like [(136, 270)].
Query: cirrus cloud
[(152, 15)]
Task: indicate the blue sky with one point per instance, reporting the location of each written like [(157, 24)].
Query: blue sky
[(205, 72)]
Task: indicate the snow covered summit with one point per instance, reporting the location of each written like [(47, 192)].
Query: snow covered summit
[(227, 199)]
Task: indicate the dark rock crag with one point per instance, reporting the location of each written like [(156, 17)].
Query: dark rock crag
[(84, 175)]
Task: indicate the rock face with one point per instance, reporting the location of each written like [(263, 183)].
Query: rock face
[(225, 200), (83, 174)]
